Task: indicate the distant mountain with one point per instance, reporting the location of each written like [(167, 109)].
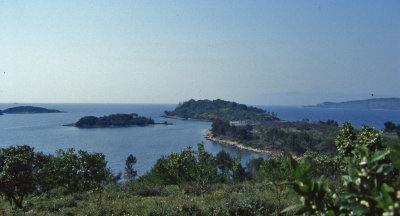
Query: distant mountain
[(29, 110), (377, 103)]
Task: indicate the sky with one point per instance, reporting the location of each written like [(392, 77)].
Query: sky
[(255, 52)]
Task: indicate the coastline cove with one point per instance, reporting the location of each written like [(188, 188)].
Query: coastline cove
[(45, 132)]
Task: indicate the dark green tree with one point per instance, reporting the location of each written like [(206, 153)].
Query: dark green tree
[(43, 172), (206, 173), (198, 168), (130, 172), (17, 175), (220, 127), (389, 126), (254, 165), (93, 170), (224, 161), (80, 172)]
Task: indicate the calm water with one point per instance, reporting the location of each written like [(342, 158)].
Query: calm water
[(46, 133)]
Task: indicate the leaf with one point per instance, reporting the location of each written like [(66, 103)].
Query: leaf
[(378, 155), (330, 213), (292, 208), (303, 187), (395, 154), (386, 200)]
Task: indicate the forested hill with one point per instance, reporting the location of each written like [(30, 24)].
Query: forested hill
[(29, 110), (114, 120), (378, 103), (219, 109)]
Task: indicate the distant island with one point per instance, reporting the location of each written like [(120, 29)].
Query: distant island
[(114, 120), (378, 103), (219, 109), (29, 110)]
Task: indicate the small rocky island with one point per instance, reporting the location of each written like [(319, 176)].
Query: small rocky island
[(29, 110), (115, 120), (208, 110)]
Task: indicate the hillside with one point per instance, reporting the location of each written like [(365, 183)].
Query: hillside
[(378, 103), (29, 110), (219, 109)]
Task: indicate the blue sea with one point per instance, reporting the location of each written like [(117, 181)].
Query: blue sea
[(45, 132)]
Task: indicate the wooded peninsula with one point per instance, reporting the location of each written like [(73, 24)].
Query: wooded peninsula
[(275, 138)]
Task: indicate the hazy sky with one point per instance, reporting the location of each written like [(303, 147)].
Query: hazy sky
[(258, 52)]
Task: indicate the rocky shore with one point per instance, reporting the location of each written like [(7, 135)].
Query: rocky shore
[(180, 118), (271, 153)]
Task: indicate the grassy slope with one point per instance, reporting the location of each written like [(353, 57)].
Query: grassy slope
[(122, 199)]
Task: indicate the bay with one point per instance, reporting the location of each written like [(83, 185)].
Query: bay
[(45, 132)]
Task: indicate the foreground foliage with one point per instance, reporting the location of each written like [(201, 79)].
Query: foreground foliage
[(370, 176), (131, 198), (24, 172), (362, 179)]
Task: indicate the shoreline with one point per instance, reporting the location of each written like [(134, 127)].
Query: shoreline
[(154, 124), (210, 120), (235, 144), (190, 119)]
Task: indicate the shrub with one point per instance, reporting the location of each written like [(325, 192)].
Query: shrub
[(371, 178), (320, 164)]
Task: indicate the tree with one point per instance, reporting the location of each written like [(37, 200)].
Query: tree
[(17, 178), (345, 140), (198, 168), (130, 173), (389, 126), (93, 170), (220, 127), (65, 170), (206, 172), (254, 165), (43, 171), (80, 172), (273, 172), (224, 161)]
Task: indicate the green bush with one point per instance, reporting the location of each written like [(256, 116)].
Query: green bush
[(371, 178), (320, 164), (142, 189)]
